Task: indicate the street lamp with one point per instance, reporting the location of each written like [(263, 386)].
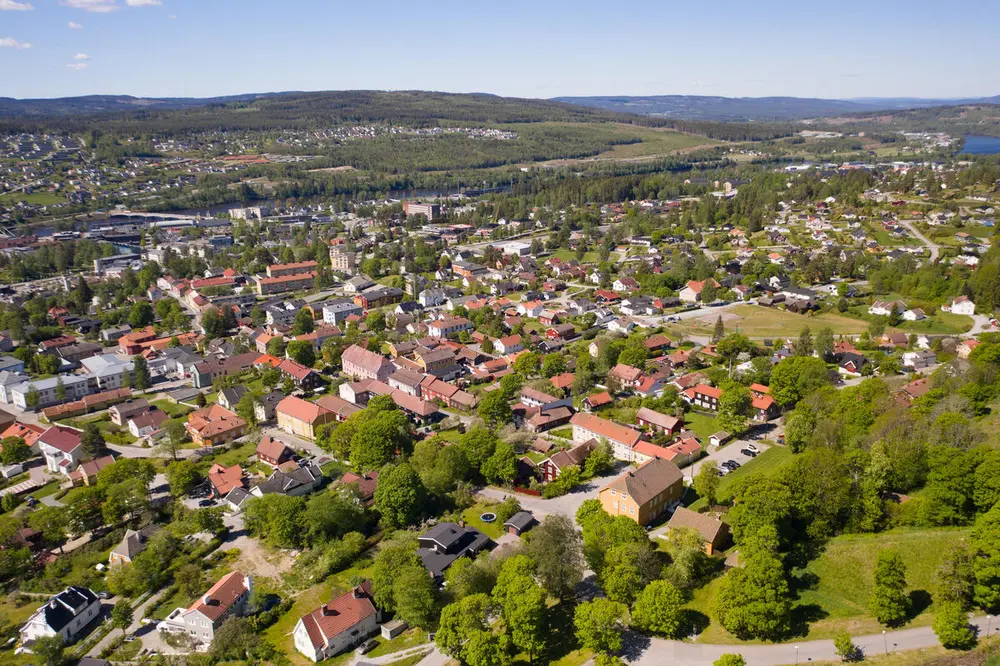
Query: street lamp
[(885, 641), (989, 621), (796, 655)]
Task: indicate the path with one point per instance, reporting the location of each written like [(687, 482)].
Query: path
[(934, 248), (426, 648), (566, 504), (137, 614), (658, 651), (981, 324)]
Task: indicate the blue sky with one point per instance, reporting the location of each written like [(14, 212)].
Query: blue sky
[(545, 48)]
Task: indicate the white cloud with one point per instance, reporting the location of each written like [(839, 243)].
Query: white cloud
[(81, 56), (96, 6), (143, 3), (14, 6), (11, 43), (77, 66), (75, 26), (172, 17)]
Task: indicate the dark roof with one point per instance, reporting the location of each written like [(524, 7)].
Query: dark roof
[(520, 521), (63, 607)]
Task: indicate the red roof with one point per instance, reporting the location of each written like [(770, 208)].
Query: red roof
[(607, 429), (63, 439), (338, 616), (301, 410), (225, 479), (221, 596), (599, 399)]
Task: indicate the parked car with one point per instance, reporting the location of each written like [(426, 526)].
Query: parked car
[(206, 502), (748, 453), (368, 646), (753, 447), (30, 500)]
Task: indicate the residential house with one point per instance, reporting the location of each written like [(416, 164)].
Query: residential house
[(851, 364), (229, 397), (365, 484), (66, 615), (622, 438), (337, 311), (645, 494), (359, 363), (887, 308), (222, 480), (597, 400), (292, 479), (265, 405), (519, 523), (301, 376), (509, 345), (337, 626), (963, 305), (135, 542), (448, 326), (703, 396), (146, 423), (691, 293), (61, 448), (444, 543), (273, 452), (301, 417), (662, 423), (550, 468), (214, 425), (229, 597), (627, 376), (714, 532), (123, 411), (918, 360)]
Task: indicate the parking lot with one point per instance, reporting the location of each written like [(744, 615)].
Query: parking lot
[(730, 451)]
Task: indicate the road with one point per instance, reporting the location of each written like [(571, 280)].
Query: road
[(934, 248), (137, 614), (656, 652), (567, 504)]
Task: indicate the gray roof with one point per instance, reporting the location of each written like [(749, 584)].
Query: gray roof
[(520, 521)]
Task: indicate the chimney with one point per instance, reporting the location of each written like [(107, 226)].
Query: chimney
[(206, 599), (359, 593), (461, 523)]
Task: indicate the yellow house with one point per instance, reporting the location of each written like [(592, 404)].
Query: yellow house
[(301, 417), (646, 493)]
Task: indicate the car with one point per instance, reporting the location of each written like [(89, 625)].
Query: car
[(206, 502), (368, 646), (30, 500), (748, 453), (103, 595), (753, 448), (733, 465), (130, 638)]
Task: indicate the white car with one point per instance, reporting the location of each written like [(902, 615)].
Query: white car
[(753, 448)]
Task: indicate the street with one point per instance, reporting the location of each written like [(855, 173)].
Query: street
[(566, 504)]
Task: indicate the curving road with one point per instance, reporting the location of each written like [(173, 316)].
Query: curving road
[(934, 248)]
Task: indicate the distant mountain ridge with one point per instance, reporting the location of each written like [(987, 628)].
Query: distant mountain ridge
[(701, 107), (91, 104)]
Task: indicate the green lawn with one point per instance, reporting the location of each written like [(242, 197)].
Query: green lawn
[(766, 463), (704, 425), (451, 435), (410, 638), (941, 323), (565, 433), (841, 582), (756, 321), (471, 517), (36, 198), (172, 409)]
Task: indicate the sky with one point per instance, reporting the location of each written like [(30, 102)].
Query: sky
[(540, 48)]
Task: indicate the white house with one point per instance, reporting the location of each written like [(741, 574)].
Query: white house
[(227, 598), (109, 370), (963, 306), (66, 615), (885, 308), (337, 626), (915, 314), (61, 448)]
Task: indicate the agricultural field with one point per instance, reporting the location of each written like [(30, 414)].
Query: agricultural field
[(760, 322)]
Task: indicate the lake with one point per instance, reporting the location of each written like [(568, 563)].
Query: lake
[(981, 145)]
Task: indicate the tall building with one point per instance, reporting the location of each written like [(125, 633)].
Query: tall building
[(431, 211), (341, 260)]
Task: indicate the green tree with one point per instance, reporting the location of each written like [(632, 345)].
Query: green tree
[(600, 624), (141, 315), (93, 441), (301, 351), (845, 647), (466, 577), (658, 609), (528, 364), (501, 467), (824, 343), (730, 659), (140, 373), (121, 615), (804, 345), (734, 409), (956, 576), (277, 519), (49, 650), (333, 514), (32, 399), (951, 626), (494, 409), (182, 476), (555, 547), (553, 364), (628, 569), (393, 558), (985, 542), (60, 390), (276, 346), (414, 594), (753, 602), (14, 450), (719, 331), (522, 605), (400, 497), (795, 377), (889, 603), (375, 321), (706, 482), (303, 323)]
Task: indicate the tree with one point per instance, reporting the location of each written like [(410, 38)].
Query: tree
[(400, 497), (32, 399), (237, 641), (302, 352), (303, 322), (527, 364), (141, 315), (92, 441), (121, 615), (276, 346), (719, 330), (753, 602), (889, 603), (824, 343), (734, 409), (706, 482), (51, 521), (49, 650), (494, 409), (845, 647), (414, 594), (277, 519), (140, 373), (985, 542), (82, 295), (501, 467), (125, 500), (804, 345), (658, 609), (60, 390), (956, 576), (375, 321), (730, 659), (601, 460), (628, 569), (951, 626), (600, 624), (14, 450), (393, 558), (522, 605), (182, 476), (555, 547), (795, 377)]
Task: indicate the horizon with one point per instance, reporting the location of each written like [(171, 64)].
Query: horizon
[(191, 49)]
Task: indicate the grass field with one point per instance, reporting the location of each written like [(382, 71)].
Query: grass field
[(760, 322), (471, 517), (703, 425), (655, 142), (942, 322), (766, 463), (836, 585), (36, 198)]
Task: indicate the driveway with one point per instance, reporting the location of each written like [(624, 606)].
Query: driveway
[(730, 451), (934, 248), (294, 441), (137, 613), (567, 504)]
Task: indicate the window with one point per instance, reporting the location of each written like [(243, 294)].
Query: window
[(632, 511), (612, 492), (624, 496), (614, 504)]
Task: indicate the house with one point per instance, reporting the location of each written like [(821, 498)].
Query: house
[(916, 314), (301, 376), (359, 363), (213, 425), (366, 484), (337, 311), (229, 597), (704, 396), (406, 381), (764, 408), (230, 396), (622, 438), (132, 544), (265, 405), (668, 425), (223, 479), (61, 448), (292, 479), (519, 523), (561, 332), (339, 625), (714, 533), (963, 306), (550, 468), (966, 347), (301, 417), (29, 432), (851, 364), (123, 411), (894, 340), (625, 284), (509, 345), (592, 402), (887, 308), (646, 493), (918, 360), (66, 615), (719, 438), (273, 452), (147, 423), (627, 376), (691, 293), (444, 543), (448, 326)]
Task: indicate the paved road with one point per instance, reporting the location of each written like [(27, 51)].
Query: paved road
[(981, 325), (658, 651), (137, 614), (934, 248), (567, 504)]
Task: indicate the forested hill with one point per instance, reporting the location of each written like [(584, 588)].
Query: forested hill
[(699, 107), (291, 111)]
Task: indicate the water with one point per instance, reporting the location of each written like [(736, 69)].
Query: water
[(981, 145)]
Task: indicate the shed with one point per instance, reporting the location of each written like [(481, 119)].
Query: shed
[(519, 523), (394, 628)]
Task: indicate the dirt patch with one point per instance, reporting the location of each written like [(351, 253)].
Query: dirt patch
[(258, 560), (332, 169), (713, 316)]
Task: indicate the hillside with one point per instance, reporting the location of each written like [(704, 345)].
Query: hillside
[(741, 109)]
